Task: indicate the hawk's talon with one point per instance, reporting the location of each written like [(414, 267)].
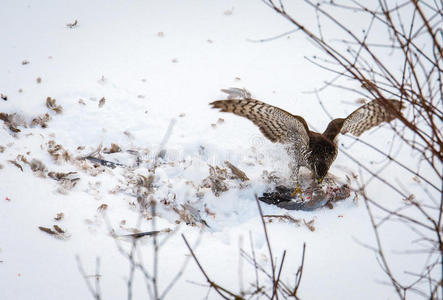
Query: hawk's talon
[(298, 191)]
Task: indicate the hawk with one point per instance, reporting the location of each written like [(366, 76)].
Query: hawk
[(316, 151)]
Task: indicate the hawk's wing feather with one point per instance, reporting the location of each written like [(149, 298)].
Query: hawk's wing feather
[(370, 115), (276, 124)]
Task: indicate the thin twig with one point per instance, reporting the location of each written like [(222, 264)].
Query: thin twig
[(95, 292), (219, 289), (299, 273), (268, 244)]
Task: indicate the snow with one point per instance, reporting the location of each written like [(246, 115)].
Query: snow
[(156, 63)]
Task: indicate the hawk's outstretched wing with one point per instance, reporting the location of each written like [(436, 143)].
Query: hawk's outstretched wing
[(370, 115), (276, 124)]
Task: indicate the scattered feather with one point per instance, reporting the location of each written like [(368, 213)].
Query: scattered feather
[(59, 216), (57, 232), (37, 166), (12, 121), (101, 102), (41, 121), (105, 163), (47, 230), (57, 152), (216, 180), (16, 164), (113, 149), (237, 172), (236, 93), (284, 218), (62, 176), (58, 229), (73, 24), (310, 224), (190, 215), (102, 207), (51, 104)]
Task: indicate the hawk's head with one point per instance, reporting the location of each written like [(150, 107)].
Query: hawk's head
[(320, 168), (322, 154)]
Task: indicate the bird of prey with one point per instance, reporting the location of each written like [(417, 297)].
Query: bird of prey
[(316, 151)]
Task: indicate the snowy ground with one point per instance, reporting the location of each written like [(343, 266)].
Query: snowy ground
[(159, 64)]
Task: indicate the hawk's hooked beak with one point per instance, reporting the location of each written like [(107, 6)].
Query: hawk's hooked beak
[(319, 180)]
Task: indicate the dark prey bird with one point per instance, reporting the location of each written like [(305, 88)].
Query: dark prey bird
[(310, 149)]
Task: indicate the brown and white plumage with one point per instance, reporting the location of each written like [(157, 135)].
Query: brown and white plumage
[(310, 149), (276, 124)]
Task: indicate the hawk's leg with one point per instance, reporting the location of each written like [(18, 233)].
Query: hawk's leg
[(298, 191)]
